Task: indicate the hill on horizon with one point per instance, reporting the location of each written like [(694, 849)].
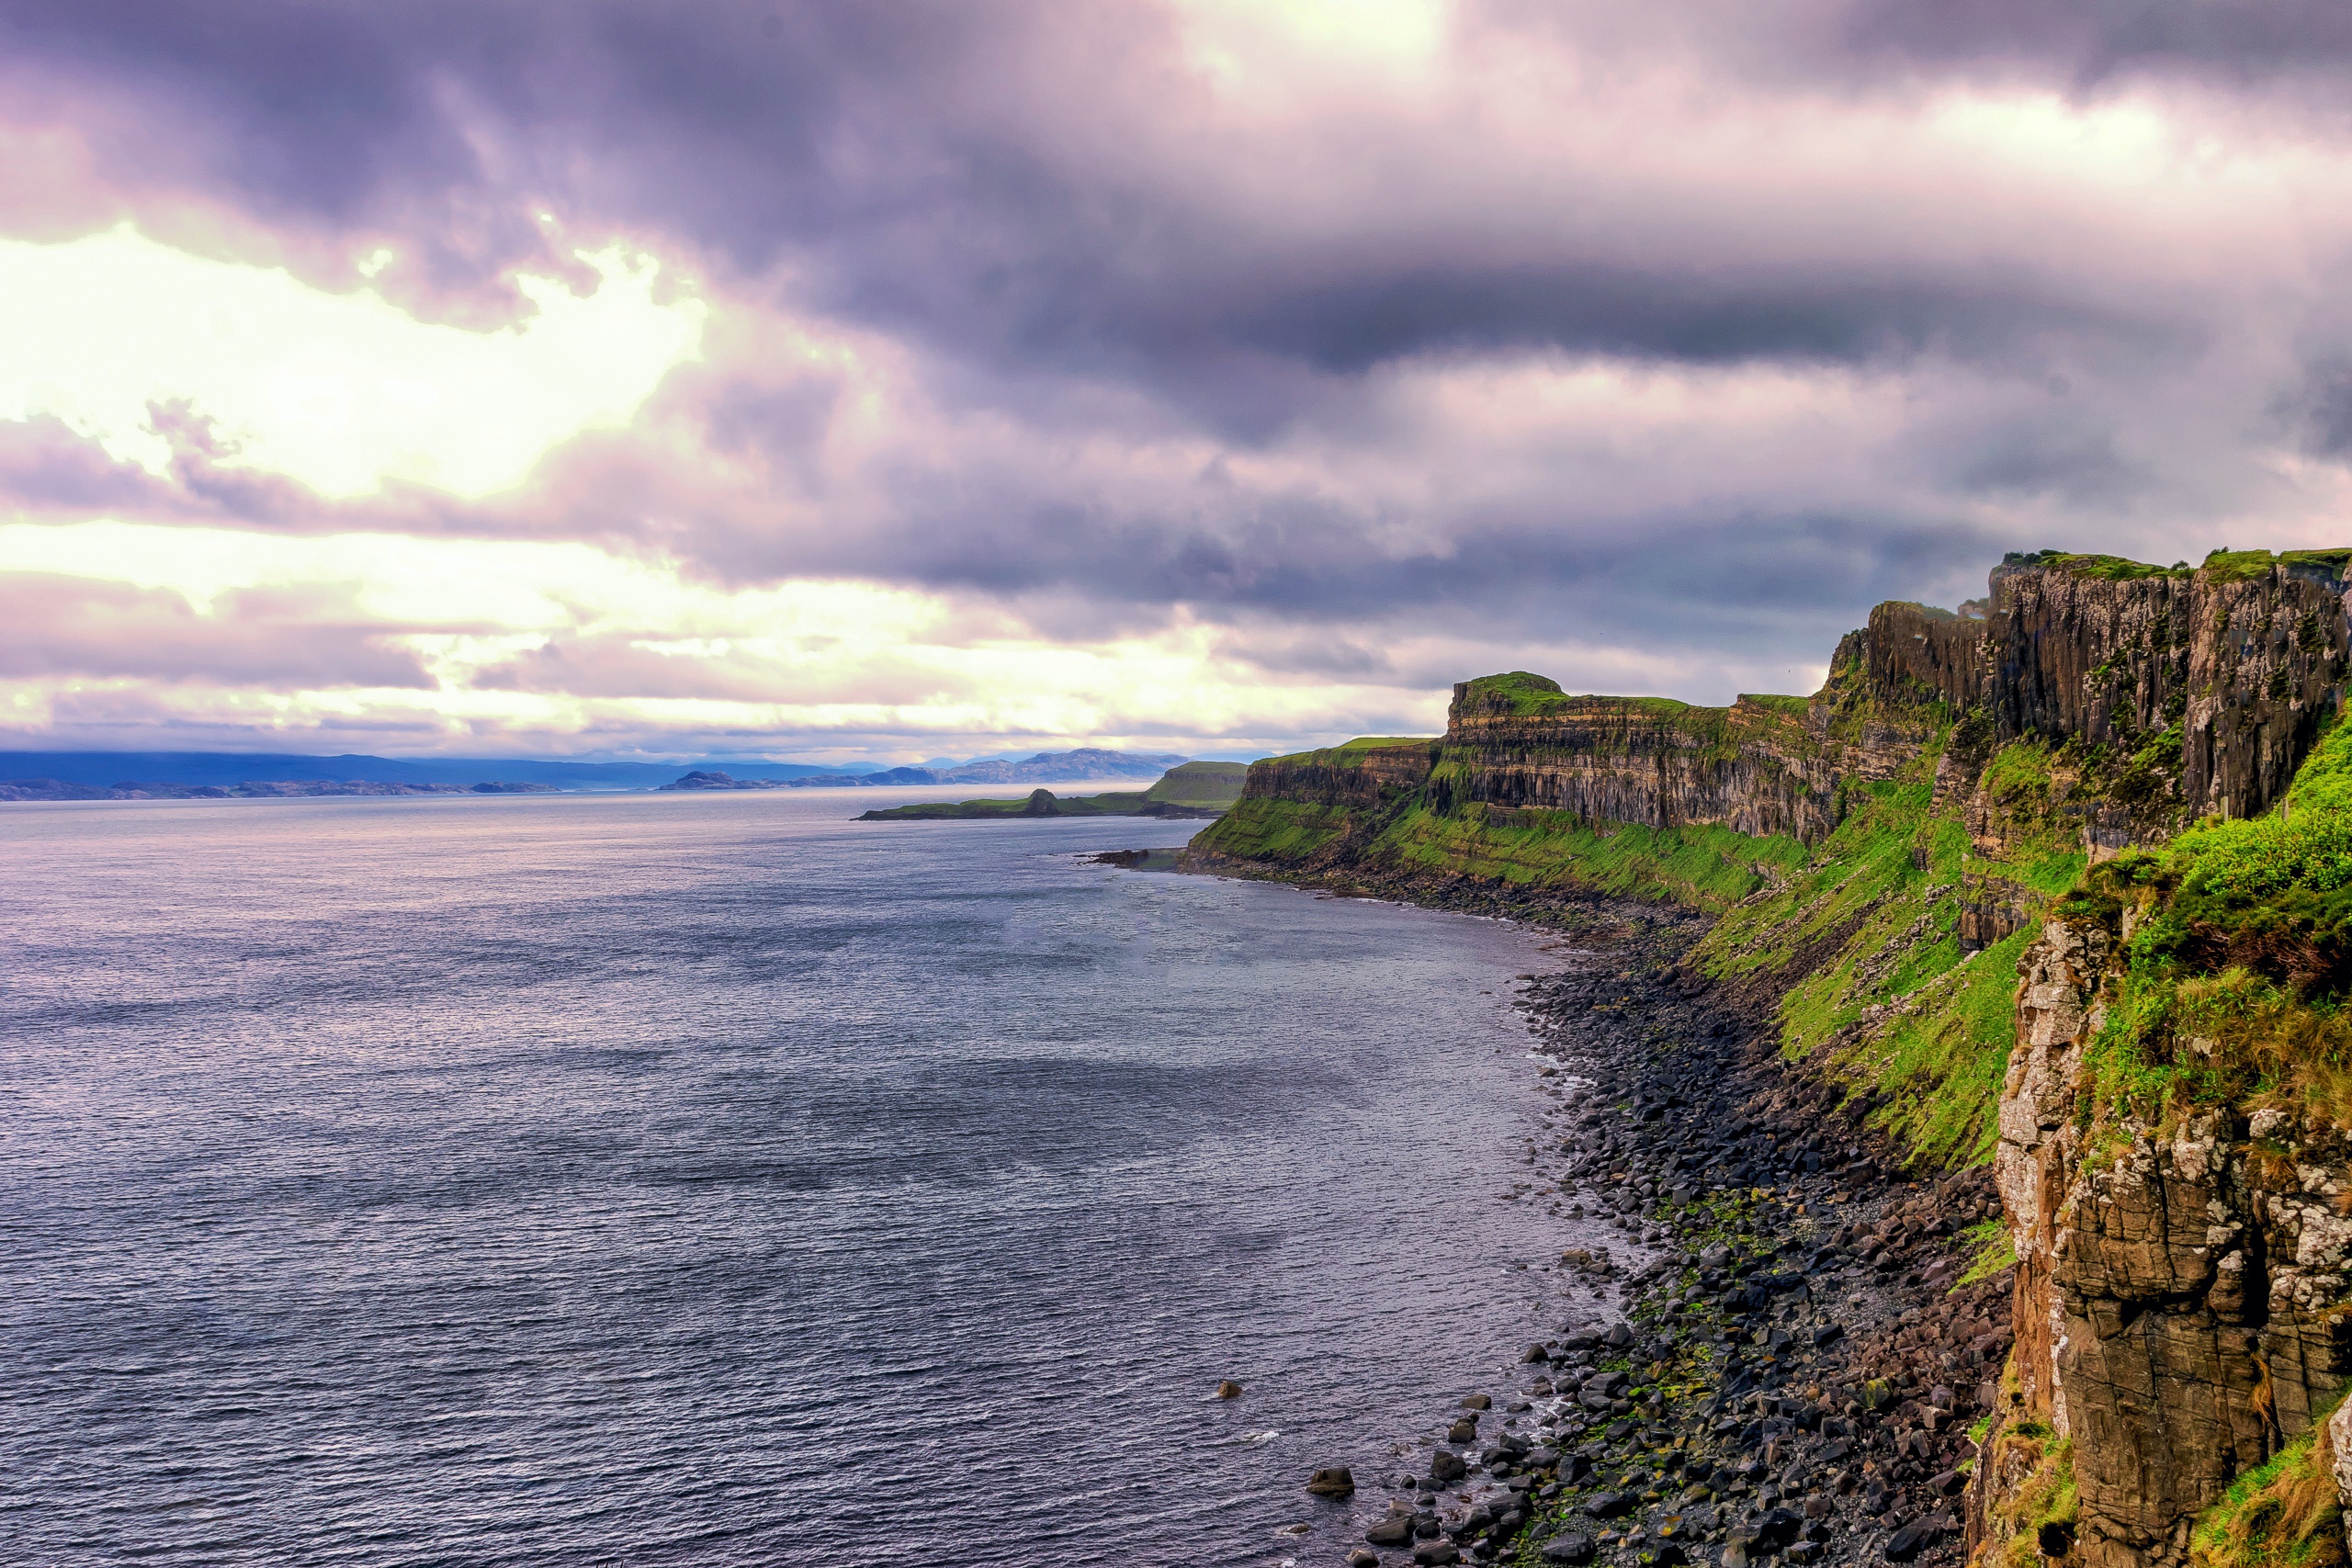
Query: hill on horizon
[(110, 770)]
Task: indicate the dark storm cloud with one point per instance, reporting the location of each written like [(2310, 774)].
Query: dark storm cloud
[(2074, 44), (1095, 285), (2092, 42), (1739, 583), (1351, 322), (897, 158)]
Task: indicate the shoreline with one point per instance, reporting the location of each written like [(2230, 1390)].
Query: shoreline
[(1789, 1365)]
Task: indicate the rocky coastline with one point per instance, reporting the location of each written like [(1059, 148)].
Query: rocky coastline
[(1782, 1353), (2057, 886)]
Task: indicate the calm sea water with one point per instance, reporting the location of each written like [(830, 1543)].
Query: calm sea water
[(670, 1180)]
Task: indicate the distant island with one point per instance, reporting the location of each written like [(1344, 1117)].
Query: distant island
[(1194, 790), (1045, 767), (235, 775)]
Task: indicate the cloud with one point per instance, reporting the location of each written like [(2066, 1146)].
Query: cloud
[(52, 625), (338, 392), (1237, 358)]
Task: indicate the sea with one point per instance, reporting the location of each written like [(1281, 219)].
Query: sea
[(711, 1179)]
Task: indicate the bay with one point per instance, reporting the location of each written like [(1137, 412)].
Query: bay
[(686, 1180)]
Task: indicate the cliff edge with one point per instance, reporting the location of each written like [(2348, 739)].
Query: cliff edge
[(2059, 884)]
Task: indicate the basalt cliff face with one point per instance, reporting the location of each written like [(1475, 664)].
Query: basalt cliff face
[(1342, 779), (2180, 1299), (2239, 662), (1758, 767), (2064, 887), (2181, 694)]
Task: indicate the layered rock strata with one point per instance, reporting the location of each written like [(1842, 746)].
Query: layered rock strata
[(2245, 662), (1756, 767), (1342, 778), (2181, 1299)]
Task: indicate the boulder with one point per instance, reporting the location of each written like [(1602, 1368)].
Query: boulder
[(1334, 1481), (1571, 1548), (1229, 1389), (1912, 1539), (1778, 1528)]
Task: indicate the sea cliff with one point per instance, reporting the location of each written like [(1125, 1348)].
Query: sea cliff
[(2058, 886)]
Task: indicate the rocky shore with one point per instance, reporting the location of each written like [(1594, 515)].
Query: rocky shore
[(1782, 1356)]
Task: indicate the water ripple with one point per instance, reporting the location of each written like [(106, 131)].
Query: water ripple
[(677, 1181)]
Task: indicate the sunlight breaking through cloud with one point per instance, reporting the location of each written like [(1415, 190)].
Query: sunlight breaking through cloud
[(341, 392)]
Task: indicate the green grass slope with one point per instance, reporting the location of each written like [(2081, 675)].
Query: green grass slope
[(1037, 803), (1216, 785), (1859, 936)]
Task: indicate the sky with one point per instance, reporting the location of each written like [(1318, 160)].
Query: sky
[(903, 380)]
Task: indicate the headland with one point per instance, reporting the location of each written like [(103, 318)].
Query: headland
[(1967, 1074)]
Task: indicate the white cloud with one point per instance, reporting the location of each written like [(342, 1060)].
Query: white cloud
[(339, 391), (560, 643)]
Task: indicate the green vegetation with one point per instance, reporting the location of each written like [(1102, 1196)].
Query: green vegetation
[(1995, 1250), (1860, 933), (1037, 803), (1213, 786), (2239, 933), (2041, 1512), (1516, 693), (1189, 789), (1285, 833), (2239, 958), (2237, 565), (2110, 568), (1706, 867), (2282, 1514), (1864, 941)]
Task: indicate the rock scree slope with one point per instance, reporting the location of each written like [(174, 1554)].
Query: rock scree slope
[(2048, 900)]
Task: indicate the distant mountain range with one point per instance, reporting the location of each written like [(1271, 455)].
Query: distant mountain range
[(1045, 767), (250, 789), (84, 775)]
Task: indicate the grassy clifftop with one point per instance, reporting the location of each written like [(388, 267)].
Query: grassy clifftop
[(1860, 936), (1876, 859), (1212, 786)]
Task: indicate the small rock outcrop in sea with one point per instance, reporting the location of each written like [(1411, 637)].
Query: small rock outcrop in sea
[(1335, 1482)]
